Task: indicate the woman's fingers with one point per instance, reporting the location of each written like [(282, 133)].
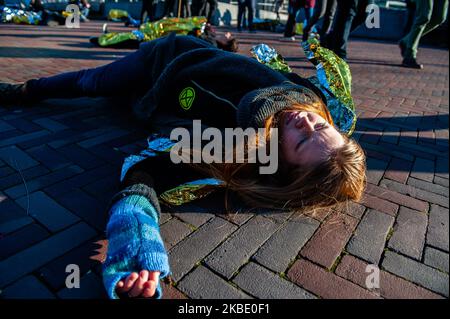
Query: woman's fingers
[(139, 284), (151, 284), (143, 284), (120, 285), (149, 289), (153, 275), (129, 282)]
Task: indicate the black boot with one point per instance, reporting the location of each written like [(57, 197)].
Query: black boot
[(411, 63), (12, 94)]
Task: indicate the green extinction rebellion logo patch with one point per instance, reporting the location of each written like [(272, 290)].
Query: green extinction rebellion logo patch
[(186, 98)]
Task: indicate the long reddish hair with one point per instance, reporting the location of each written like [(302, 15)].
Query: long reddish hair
[(337, 180)]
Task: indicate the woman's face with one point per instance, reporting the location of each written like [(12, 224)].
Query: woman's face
[(307, 138)]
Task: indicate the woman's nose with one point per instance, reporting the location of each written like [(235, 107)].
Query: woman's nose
[(305, 124)]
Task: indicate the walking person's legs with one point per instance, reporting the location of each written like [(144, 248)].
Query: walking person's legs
[(212, 9), (438, 16), (319, 12), (241, 9), (168, 7), (328, 19), (147, 11), (410, 43), (195, 7), (249, 5), (293, 8), (346, 12)]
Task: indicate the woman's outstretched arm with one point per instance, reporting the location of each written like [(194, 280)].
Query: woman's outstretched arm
[(135, 246)]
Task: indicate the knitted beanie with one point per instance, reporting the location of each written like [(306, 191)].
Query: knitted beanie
[(257, 105)]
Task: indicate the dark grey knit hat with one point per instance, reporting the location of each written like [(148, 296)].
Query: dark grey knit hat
[(259, 104)]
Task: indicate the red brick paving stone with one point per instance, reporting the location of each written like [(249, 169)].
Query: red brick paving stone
[(391, 287), (329, 241), (325, 284), (354, 209), (170, 292), (397, 198), (398, 170), (379, 204)]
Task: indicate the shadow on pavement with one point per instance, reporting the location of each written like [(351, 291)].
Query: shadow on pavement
[(17, 52)]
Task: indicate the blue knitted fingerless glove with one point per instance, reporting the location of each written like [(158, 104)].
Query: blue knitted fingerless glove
[(134, 243)]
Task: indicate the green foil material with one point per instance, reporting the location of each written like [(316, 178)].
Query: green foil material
[(334, 80), (116, 14), (165, 26), (190, 191), (112, 38), (153, 30), (18, 16), (270, 57)]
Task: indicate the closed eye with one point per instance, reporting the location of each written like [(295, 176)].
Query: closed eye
[(318, 127)]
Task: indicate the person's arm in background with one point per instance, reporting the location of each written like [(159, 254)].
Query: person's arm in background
[(136, 256)]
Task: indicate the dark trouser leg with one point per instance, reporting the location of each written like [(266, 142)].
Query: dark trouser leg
[(147, 11), (439, 15), (168, 7), (289, 30), (185, 10), (241, 10), (429, 15), (212, 9), (197, 6), (361, 15), (346, 12), (249, 5), (424, 10)]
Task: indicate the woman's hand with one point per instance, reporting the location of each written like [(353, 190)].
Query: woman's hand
[(139, 285)]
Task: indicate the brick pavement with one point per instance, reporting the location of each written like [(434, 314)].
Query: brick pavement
[(59, 166)]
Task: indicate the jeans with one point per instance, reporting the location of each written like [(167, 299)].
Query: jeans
[(429, 15), (323, 9), (241, 10), (308, 14)]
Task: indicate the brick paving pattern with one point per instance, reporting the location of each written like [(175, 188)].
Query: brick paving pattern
[(60, 163)]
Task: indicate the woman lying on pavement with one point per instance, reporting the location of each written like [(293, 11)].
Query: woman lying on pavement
[(183, 77), (195, 26)]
